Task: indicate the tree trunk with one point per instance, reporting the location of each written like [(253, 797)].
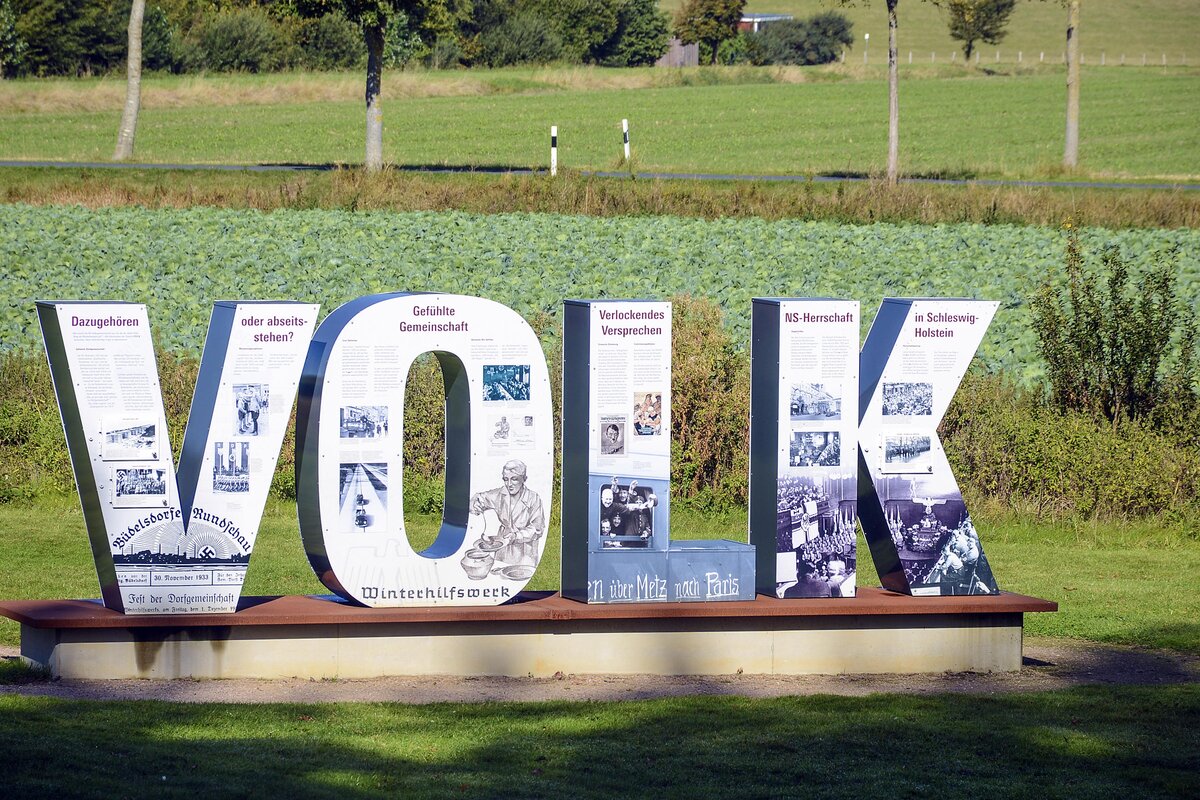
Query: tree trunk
[(1071, 150), (893, 165), (374, 40), (133, 84)]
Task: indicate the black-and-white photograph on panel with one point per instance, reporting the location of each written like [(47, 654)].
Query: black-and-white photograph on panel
[(815, 543), (363, 497), (231, 467), (513, 526), (130, 439), (647, 413), (505, 382), (815, 401), (362, 422), (612, 434), (815, 449), (251, 401), (907, 399), (140, 487), (907, 453), (937, 542), (626, 514)]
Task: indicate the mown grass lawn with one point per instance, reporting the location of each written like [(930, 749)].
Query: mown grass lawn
[(1083, 743)]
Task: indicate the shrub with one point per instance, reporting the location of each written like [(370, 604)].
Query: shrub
[(817, 40), (643, 35), (1011, 449), (1118, 352), (243, 39), (522, 38), (331, 42)]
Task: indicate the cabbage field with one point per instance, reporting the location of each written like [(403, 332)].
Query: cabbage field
[(179, 262)]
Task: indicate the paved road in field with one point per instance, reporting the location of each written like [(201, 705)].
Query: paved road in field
[(691, 176)]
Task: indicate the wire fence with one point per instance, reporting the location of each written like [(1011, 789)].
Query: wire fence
[(998, 56)]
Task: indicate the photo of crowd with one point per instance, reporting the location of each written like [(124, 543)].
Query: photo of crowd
[(612, 434), (815, 449), (907, 452), (362, 422), (938, 545), (505, 382), (907, 399), (139, 486), (231, 467), (815, 401), (626, 515), (647, 413), (815, 537), (251, 400)]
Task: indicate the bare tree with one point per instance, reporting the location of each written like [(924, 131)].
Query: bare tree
[(133, 84)]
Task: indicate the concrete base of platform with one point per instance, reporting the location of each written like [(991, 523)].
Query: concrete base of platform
[(877, 632)]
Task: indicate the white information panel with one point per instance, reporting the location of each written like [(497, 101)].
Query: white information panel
[(816, 449), (162, 544), (912, 511), (499, 451), (629, 411)]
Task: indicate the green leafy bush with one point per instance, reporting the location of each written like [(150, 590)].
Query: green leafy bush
[(523, 38), (817, 40), (1120, 347), (1010, 448), (331, 42), (241, 39)]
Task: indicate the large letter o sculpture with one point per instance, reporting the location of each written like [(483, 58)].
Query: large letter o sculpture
[(350, 446)]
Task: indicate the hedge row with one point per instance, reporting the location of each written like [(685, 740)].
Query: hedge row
[(1007, 446)]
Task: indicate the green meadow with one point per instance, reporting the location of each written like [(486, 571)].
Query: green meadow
[(1135, 124)]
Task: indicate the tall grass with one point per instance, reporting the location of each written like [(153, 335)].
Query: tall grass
[(574, 193)]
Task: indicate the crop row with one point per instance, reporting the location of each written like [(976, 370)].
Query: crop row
[(180, 261)]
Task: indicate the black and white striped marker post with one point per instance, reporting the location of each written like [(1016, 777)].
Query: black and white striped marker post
[(553, 150), (625, 134)]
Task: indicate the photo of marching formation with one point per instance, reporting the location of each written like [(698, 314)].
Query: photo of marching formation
[(362, 422), (907, 399), (231, 467), (612, 434), (626, 515), (815, 401), (513, 522), (938, 544), (647, 413), (139, 487), (907, 452), (362, 497), (251, 400), (815, 537), (505, 382), (815, 449), (130, 440)]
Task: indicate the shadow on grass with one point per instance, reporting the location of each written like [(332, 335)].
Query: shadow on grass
[(1082, 743)]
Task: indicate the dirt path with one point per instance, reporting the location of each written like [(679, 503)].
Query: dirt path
[(1049, 664)]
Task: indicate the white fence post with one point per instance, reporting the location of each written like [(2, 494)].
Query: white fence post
[(553, 150), (625, 136)]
